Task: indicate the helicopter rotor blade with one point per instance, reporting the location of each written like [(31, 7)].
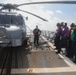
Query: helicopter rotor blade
[(32, 14), (50, 2), (11, 6)]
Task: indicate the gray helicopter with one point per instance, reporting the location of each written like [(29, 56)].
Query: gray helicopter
[(12, 25)]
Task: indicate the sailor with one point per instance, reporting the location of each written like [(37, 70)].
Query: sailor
[(57, 35), (63, 37), (36, 33)]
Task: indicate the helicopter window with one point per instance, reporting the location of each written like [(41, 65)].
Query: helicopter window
[(17, 20), (4, 19), (11, 19)]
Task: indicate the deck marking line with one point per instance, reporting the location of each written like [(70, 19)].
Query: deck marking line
[(69, 62), (48, 43), (43, 70)]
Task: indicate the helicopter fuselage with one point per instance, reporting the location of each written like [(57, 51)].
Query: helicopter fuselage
[(12, 29)]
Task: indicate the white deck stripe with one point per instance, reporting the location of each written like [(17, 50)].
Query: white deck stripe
[(48, 43), (43, 70), (68, 61)]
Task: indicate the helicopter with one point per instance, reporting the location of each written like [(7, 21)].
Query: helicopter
[(13, 26)]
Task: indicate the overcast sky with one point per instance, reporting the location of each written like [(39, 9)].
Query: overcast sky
[(54, 13)]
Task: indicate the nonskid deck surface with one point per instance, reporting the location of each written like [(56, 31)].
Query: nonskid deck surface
[(40, 60)]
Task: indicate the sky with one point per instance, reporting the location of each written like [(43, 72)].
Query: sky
[(54, 13)]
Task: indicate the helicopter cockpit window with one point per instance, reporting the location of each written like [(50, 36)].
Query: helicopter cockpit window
[(17, 20), (11, 19), (4, 19)]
